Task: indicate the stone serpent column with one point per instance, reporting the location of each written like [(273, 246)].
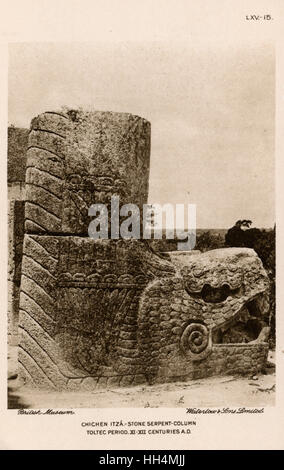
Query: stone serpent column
[(79, 297)]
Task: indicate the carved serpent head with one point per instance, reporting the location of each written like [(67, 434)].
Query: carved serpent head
[(220, 296)]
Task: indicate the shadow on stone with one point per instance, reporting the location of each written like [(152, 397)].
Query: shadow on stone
[(15, 400)]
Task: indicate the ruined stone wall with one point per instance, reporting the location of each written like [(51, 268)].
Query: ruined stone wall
[(17, 155), (17, 148), (15, 240)]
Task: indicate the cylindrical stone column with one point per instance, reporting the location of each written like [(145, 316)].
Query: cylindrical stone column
[(78, 158)]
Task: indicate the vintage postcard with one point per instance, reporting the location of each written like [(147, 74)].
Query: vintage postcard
[(141, 153)]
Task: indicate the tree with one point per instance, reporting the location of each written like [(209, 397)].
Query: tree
[(209, 241)]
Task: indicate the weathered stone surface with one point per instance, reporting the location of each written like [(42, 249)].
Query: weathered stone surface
[(17, 147), (78, 308), (181, 258), (86, 322), (100, 313), (76, 159), (192, 330), (16, 236), (17, 154)]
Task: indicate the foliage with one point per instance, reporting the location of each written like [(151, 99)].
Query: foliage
[(209, 241)]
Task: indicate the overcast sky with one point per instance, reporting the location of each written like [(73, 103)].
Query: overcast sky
[(211, 111)]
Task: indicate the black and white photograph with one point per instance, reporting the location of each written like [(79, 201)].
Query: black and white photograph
[(141, 220)]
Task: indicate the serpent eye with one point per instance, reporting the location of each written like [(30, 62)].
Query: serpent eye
[(74, 179), (213, 295)]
